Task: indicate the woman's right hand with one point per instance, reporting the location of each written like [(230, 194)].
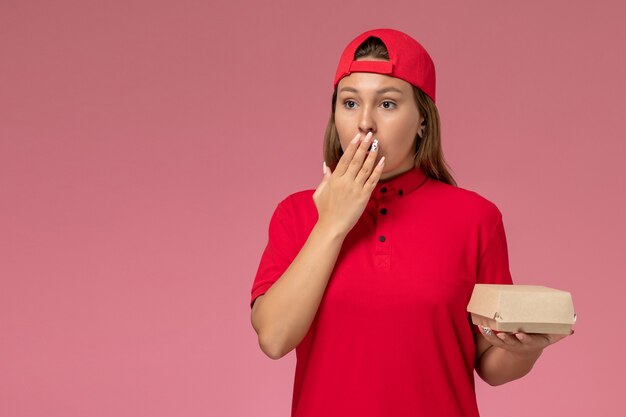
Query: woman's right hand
[(343, 194)]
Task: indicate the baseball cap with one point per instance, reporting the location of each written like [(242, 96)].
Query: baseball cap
[(408, 60)]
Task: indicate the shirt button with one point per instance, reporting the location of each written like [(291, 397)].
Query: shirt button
[(383, 211), (400, 192), (381, 238), (383, 190)]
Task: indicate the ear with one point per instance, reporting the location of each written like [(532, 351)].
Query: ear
[(421, 127)]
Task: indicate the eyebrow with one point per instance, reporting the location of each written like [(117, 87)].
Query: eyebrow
[(381, 91)]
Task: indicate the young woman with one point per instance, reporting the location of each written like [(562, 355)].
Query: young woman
[(369, 275)]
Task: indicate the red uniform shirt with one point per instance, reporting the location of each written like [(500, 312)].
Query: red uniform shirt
[(392, 336)]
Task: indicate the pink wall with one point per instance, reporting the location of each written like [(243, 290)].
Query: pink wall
[(145, 144)]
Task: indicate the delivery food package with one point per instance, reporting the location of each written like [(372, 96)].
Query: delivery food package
[(522, 308)]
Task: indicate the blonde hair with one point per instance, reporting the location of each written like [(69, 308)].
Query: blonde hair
[(428, 150)]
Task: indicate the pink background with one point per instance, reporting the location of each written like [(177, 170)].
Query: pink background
[(145, 144)]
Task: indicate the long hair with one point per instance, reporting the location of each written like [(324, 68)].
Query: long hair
[(428, 151)]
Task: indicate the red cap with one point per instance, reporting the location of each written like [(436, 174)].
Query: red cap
[(408, 60)]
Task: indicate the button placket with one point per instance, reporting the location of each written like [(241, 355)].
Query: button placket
[(382, 255)]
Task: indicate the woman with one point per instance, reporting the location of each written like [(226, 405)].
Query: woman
[(369, 275)]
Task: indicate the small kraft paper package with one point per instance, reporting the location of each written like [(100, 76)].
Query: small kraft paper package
[(522, 308)]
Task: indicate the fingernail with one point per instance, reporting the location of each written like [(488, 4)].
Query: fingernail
[(374, 145), (356, 138), (324, 167)]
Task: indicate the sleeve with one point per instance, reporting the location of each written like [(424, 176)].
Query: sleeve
[(279, 252), (493, 262)]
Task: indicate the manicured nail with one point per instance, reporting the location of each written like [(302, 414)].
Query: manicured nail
[(381, 162), (356, 138), (374, 145), (324, 167)]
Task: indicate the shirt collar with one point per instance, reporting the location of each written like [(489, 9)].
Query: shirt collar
[(400, 185)]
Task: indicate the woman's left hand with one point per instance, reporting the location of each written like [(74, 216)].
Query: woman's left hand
[(522, 343)]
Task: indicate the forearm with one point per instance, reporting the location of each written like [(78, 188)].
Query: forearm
[(290, 305), (498, 366)]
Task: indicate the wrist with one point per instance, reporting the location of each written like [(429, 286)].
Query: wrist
[(528, 355), (330, 230)]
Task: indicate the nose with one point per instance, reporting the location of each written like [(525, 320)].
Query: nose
[(367, 121)]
